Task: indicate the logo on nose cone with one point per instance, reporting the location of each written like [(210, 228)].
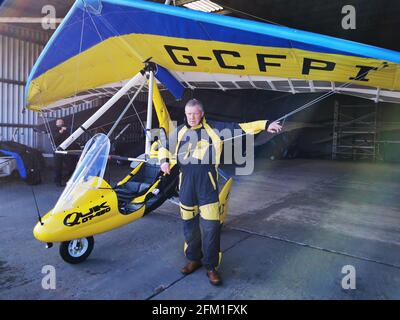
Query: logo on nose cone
[(75, 218)]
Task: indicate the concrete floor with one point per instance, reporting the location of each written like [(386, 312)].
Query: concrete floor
[(293, 226)]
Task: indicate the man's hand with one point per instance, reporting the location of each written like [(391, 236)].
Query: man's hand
[(165, 168), (62, 129), (274, 127)]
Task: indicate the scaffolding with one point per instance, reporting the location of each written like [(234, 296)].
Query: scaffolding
[(355, 132)]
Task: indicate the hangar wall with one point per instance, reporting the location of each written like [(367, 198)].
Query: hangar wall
[(19, 49)]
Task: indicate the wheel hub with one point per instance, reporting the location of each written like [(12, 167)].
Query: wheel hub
[(77, 248)]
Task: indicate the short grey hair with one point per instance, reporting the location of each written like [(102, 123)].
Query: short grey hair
[(194, 102)]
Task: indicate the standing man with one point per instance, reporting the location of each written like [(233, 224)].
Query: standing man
[(62, 160), (197, 148)]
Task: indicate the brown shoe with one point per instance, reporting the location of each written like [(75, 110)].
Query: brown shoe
[(190, 267), (214, 277)]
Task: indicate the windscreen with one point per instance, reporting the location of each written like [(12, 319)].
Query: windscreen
[(88, 174)]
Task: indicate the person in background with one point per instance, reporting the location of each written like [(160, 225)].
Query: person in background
[(61, 161)]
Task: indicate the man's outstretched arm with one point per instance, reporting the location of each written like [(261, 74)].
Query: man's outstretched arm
[(253, 127)]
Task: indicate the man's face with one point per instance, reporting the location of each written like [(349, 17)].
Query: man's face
[(193, 115), (59, 122)]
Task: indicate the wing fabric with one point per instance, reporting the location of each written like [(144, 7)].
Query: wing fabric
[(102, 44)]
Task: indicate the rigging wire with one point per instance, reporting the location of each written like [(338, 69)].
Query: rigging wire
[(110, 28), (49, 133), (124, 118), (130, 103), (248, 14), (118, 36), (310, 103), (78, 62)]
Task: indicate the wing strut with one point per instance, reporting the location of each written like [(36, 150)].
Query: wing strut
[(84, 127), (149, 112)]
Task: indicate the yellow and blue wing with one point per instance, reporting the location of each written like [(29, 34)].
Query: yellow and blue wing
[(103, 43)]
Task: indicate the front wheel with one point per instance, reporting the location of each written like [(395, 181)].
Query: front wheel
[(76, 251)]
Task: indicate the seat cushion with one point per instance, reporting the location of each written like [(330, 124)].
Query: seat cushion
[(132, 188)]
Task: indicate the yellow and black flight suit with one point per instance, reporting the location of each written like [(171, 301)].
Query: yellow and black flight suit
[(198, 151)]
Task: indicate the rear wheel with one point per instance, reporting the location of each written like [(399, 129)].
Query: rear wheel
[(76, 251)]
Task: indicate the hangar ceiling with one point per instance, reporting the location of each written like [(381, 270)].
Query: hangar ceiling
[(376, 21)]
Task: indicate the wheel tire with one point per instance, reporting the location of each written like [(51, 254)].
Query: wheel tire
[(78, 254)]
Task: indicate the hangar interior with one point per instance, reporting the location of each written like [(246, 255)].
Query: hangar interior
[(324, 192)]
